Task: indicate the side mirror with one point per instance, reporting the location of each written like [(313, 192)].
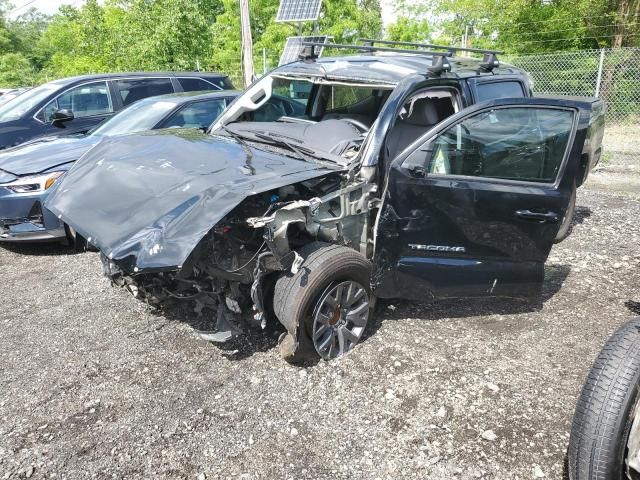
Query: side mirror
[(61, 116), (418, 161)]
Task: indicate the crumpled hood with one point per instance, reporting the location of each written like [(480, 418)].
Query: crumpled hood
[(150, 198), (44, 154)]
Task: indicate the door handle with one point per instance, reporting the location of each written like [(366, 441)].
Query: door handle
[(540, 217)]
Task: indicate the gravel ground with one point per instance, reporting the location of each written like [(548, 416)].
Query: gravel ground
[(95, 385)]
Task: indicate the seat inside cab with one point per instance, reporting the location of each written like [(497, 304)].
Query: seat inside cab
[(418, 115)]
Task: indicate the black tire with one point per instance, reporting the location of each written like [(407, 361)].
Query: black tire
[(605, 409), (76, 241), (295, 295), (565, 226)]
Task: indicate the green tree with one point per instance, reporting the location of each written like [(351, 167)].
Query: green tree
[(344, 20), (129, 35), (16, 70), (408, 29)]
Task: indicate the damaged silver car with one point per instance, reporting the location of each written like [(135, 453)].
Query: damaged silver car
[(403, 173)]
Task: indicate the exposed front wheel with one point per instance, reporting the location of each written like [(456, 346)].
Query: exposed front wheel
[(326, 305)]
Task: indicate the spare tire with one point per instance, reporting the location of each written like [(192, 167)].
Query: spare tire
[(606, 410), (326, 304)]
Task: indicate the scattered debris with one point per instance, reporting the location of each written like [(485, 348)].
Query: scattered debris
[(493, 387), (489, 435)]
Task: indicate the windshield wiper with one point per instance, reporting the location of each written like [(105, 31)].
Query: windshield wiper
[(303, 153), (245, 146), (283, 143)]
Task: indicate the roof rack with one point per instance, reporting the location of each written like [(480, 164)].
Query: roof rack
[(439, 62), (450, 48), (371, 48)]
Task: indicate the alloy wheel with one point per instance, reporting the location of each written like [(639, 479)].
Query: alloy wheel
[(340, 318)]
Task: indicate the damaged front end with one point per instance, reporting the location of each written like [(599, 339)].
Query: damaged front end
[(229, 277)]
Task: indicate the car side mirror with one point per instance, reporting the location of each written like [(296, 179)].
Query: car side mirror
[(417, 171), (418, 161), (61, 116)]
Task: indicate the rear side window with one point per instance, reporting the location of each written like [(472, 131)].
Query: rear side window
[(488, 91), (223, 82), (134, 90), (196, 85)]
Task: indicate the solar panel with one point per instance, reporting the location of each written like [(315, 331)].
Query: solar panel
[(298, 10), (293, 48)]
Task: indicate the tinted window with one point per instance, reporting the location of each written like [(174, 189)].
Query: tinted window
[(515, 143), (84, 101), (197, 115), (487, 91), (196, 85), (134, 90), (223, 82)]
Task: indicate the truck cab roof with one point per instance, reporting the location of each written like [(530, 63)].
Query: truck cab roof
[(391, 68)]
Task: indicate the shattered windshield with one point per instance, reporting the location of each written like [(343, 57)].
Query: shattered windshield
[(305, 115)]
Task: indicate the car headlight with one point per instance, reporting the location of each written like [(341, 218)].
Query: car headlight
[(34, 183)]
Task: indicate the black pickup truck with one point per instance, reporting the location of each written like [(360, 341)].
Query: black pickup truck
[(407, 173)]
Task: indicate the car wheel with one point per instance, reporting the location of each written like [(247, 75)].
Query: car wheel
[(605, 435), (326, 304), (76, 241), (565, 226)]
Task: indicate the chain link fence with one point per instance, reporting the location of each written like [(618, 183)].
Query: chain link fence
[(610, 74)]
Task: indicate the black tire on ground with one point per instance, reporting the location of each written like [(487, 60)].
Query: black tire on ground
[(605, 409), (565, 226), (76, 241), (295, 295)]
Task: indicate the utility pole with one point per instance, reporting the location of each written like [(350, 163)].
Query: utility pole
[(465, 38), (247, 43)]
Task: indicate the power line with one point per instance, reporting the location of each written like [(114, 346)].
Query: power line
[(562, 19), (579, 38), (515, 34), (20, 7)]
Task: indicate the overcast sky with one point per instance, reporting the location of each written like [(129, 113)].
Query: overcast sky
[(45, 6), (51, 6)]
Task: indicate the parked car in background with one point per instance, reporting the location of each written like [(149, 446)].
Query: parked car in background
[(77, 104), (11, 93), (29, 170)]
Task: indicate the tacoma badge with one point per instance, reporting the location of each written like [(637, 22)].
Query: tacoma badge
[(437, 248)]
